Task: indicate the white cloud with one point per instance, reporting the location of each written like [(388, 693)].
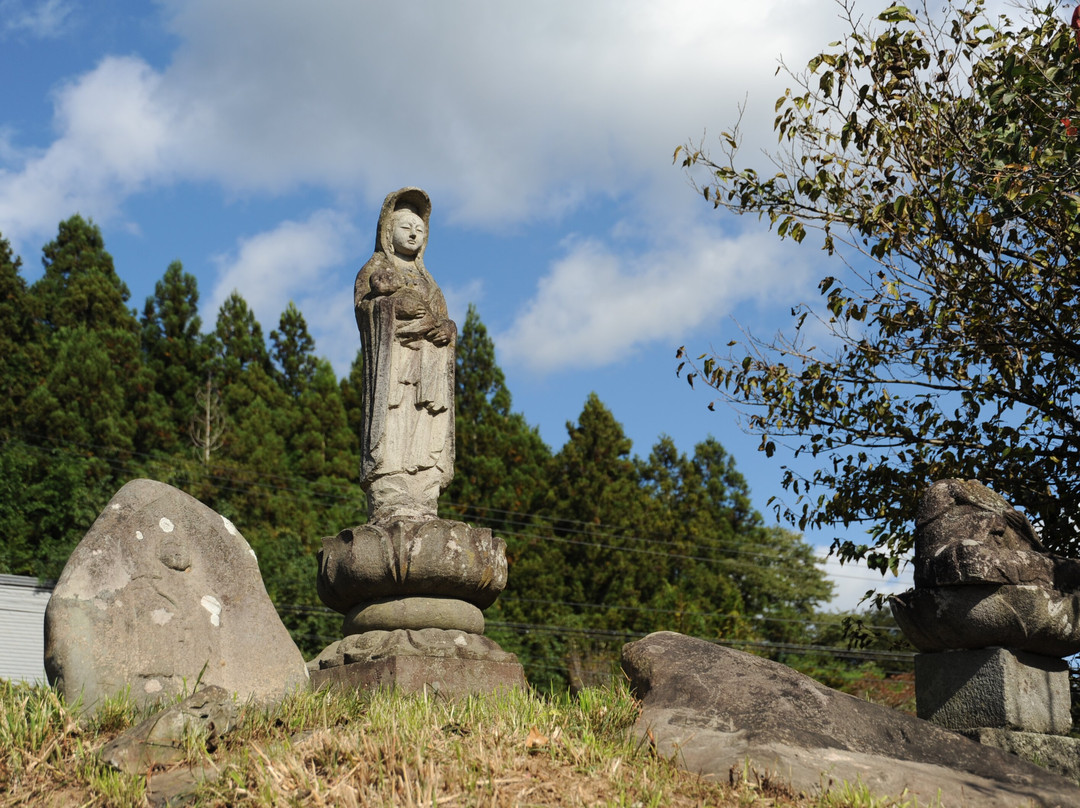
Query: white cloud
[(45, 20), (507, 111), (597, 304), (851, 582), (302, 262), (512, 110), (116, 135)]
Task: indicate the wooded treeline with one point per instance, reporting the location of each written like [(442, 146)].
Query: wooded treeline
[(601, 544)]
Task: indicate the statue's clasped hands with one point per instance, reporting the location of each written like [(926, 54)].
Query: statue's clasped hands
[(442, 334)]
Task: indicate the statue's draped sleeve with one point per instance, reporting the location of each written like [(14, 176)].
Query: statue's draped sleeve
[(375, 319)]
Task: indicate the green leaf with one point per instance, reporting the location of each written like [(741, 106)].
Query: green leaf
[(896, 14)]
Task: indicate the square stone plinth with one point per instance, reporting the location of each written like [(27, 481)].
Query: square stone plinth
[(411, 674), (993, 687)]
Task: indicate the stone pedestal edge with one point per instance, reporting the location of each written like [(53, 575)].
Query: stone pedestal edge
[(413, 674)]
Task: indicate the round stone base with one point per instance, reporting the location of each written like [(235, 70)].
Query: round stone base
[(406, 558), (414, 613), (429, 642)]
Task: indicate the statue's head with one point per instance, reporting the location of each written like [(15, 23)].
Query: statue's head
[(403, 224), (407, 232)]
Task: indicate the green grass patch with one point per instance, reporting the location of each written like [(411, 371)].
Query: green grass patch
[(376, 749)]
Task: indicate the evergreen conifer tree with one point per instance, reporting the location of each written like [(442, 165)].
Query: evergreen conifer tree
[(80, 286), (352, 394), (500, 470), (293, 351), (237, 342), (593, 562), (20, 356), (78, 421), (176, 354)]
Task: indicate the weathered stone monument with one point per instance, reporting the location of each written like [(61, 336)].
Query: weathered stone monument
[(993, 613), (412, 587), (163, 594)]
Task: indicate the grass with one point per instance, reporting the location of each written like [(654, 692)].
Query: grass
[(382, 749)]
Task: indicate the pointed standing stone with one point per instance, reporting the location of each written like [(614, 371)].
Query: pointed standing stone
[(160, 594)]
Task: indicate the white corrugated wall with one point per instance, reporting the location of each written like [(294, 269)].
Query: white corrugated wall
[(22, 628)]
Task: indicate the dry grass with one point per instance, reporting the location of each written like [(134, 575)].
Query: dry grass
[(381, 749)]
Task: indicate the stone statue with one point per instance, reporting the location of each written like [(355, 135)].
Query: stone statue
[(407, 442), (992, 613), (412, 587), (983, 578)]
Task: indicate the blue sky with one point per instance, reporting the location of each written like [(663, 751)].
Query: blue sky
[(254, 140)]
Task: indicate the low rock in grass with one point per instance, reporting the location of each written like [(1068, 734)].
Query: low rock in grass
[(714, 709)]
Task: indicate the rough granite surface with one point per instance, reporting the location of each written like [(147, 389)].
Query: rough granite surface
[(429, 642), (994, 687), (1025, 618), (1055, 753), (715, 708), (966, 533), (158, 740), (163, 593)]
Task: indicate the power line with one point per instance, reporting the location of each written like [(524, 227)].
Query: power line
[(642, 551), (239, 485), (859, 653), (627, 635), (120, 464), (169, 461), (589, 529), (806, 621), (759, 618)]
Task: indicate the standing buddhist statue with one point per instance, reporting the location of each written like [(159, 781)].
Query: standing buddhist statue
[(411, 587), (408, 340)]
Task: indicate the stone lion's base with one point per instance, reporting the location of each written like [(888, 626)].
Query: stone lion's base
[(993, 687), (449, 662)]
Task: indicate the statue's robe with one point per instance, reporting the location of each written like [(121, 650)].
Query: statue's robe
[(408, 381)]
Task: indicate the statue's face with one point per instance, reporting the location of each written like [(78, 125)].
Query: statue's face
[(408, 234)]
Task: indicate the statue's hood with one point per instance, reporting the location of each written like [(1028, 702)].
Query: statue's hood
[(414, 198)]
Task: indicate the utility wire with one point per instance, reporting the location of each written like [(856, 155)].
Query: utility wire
[(239, 485), (627, 635), (866, 654), (805, 621), (479, 512), (759, 618)]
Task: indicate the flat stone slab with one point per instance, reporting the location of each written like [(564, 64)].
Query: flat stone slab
[(449, 677), (714, 708), (994, 687)]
